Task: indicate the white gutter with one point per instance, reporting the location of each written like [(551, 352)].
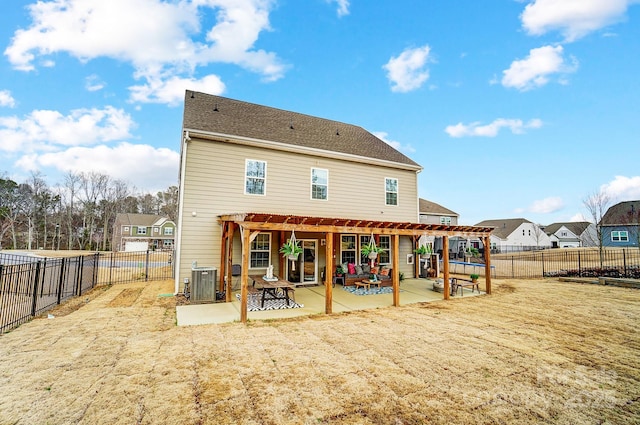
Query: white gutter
[(183, 164)]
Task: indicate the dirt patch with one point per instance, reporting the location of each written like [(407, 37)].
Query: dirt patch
[(126, 298), (534, 352)]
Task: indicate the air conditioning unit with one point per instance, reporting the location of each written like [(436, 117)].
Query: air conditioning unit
[(203, 284)]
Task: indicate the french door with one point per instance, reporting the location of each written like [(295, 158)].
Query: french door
[(304, 271)]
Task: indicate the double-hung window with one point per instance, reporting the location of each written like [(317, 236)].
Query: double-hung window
[(319, 183), (445, 220), (142, 230), (260, 251), (255, 177), (391, 191), (619, 236)]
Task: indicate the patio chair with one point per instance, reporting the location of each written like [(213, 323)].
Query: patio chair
[(236, 271)]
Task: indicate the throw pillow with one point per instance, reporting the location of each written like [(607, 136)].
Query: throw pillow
[(374, 270), (352, 268), (345, 269), (359, 269), (366, 269), (384, 272)]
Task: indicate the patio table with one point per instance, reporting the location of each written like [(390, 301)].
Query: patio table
[(277, 289)]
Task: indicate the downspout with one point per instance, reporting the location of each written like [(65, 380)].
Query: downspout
[(183, 162)]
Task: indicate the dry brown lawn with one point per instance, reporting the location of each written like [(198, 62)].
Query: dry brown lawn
[(533, 352)]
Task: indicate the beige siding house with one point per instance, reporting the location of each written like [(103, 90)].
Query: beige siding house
[(142, 232), (354, 173), (272, 174)]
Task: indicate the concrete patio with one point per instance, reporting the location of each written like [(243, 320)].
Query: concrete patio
[(313, 299)]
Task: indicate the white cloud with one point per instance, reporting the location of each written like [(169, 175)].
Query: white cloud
[(408, 71), (537, 68), (171, 91), (623, 188), (48, 130), (93, 83), (573, 18), (343, 6), (396, 145), (516, 126), (6, 99), (119, 162), (171, 44), (547, 205)]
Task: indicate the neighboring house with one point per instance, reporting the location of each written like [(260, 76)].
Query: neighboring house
[(572, 234), (516, 234), (619, 225), (141, 232), (433, 213), (253, 176)]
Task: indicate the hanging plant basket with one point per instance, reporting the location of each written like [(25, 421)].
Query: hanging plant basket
[(370, 250), (291, 250)]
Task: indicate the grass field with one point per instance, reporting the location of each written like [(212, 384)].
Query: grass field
[(536, 351)]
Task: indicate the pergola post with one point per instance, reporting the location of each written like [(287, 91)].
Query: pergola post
[(244, 276), (487, 263), (395, 264), (328, 275), (445, 267)]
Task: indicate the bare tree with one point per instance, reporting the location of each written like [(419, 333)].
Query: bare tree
[(93, 185), (597, 205), (71, 189)]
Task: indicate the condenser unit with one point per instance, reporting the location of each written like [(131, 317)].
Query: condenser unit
[(203, 284)]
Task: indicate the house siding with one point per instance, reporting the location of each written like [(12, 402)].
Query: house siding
[(214, 185)]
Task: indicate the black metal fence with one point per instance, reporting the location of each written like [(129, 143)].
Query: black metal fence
[(578, 262), (29, 286)]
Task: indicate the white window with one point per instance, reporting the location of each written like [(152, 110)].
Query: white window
[(168, 230), (126, 228), (385, 243), (156, 229), (142, 230), (620, 236), (445, 220), (348, 249), (391, 191), (319, 183), (255, 177), (260, 251)]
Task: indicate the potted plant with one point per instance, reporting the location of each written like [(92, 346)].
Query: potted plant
[(474, 277), (291, 249), (371, 251), (423, 250), (339, 271)]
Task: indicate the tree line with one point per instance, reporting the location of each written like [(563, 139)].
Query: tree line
[(79, 213)]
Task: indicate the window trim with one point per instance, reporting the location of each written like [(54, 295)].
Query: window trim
[(267, 250), (386, 192), (620, 236), (326, 198), (246, 177), (144, 232), (445, 220)]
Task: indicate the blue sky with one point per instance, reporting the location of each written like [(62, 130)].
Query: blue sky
[(514, 108)]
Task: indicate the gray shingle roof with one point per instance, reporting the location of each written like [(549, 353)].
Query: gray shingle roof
[(575, 227), (503, 227), (623, 213), (428, 207), (215, 114)]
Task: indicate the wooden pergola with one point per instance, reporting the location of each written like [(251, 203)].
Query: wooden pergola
[(250, 224)]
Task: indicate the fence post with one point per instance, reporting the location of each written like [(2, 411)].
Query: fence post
[(79, 275), (146, 268), (34, 304), (61, 280), (542, 256), (579, 265), (624, 262), (96, 269)]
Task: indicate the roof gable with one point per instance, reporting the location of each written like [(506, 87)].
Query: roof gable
[(224, 116), (129, 219), (428, 207), (503, 227), (575, 227), (623, 213)]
